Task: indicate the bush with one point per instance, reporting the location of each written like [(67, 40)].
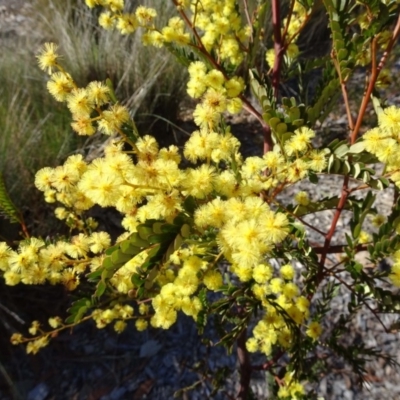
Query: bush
[(210, 237)]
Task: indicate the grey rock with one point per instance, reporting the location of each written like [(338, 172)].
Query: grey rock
[(150, 348), (39, 392)]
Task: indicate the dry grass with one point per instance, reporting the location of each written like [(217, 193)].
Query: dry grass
[(34, 129)]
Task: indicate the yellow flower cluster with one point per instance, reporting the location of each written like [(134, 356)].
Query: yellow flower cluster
[(221, 28), (260, 228), (218, 93), (126, 23), (119, 312), (384, 141), (273, 329), (179, 293), (90, 107), (213, 23), (290, 388), (36, 262), (298, 15)]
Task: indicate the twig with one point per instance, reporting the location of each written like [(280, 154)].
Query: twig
[(246, 12), (244, 365), (278, 46), (365, 303), (375, 70), (338, 249), (269, 364)]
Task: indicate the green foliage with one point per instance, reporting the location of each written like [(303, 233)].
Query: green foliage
[(7, 207)]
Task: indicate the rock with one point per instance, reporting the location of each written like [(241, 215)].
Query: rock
[(39, 392)]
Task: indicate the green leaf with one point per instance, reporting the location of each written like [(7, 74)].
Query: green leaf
[(128, 248), (281, 128), (144, 231), (190, 205), (345, 168), (273, 122), (111, 250), (95, 275), (342, 150), (7, 207), (313, 177), (137, 280), (185, 230), (157, 227), (298, 122), (358, 147), (137, 241), (163, 237), (111, 88), (101, 288), (356, 231), (107, 263), (118, 257), (357, 170)]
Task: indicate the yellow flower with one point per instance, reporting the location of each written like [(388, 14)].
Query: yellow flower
[(98, 93), (314, 330), (287, 272), (270, 57), (106, 20), (34, 346), (213, 280), (127, 24), (290, 290), (262, 273), (252, 345), (390, 118), (120, 326), (302, 198), (60, 85), (276, 285), (47, 58), (34, 328), (113, 5), (199, 182), (317, 160), (145, 15), (16, 338), (55, 322), (364, 237), (378, 220), (91, 3), (82, 125), (141, 324), (79, 103)]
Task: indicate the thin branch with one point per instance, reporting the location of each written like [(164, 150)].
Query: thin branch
[(269, 364), (244, 365), (300, 219), (365, 303), (289, 17), (278, 46), (246, 13), (332, 229), (375, 70), (344, 94), (338, 249)]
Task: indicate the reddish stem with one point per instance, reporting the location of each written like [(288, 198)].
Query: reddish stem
[(278, 46)]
